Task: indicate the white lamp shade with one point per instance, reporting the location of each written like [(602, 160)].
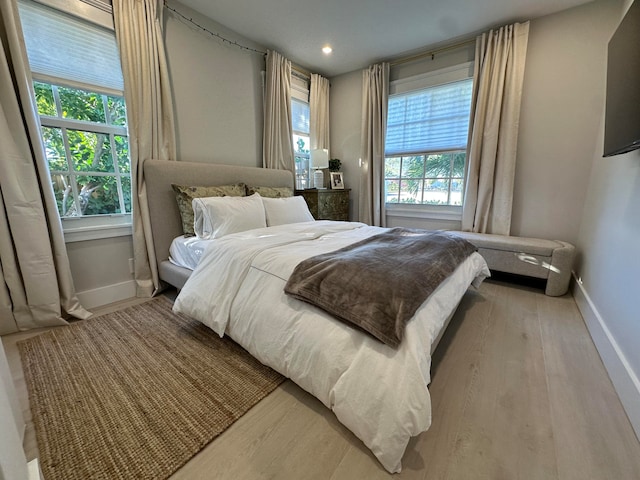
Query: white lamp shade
[(319, 158)]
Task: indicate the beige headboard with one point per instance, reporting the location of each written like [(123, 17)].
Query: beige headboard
[(163, 209)]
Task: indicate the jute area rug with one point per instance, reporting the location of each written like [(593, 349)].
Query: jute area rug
[(135, 393)]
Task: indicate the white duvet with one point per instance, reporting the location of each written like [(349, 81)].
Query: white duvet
[(378, 392)]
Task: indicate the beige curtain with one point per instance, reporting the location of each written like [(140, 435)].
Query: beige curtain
[(495, 114), (36, 287), (375, 96), (138, 25), (319, 112), (277, 138)]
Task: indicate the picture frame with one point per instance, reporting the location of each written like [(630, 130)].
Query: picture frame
[(337, 181)]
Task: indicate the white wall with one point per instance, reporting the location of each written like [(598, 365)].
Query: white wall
[(608, 265), (345, 111), (217, 92), (562, 101), (100, 270)]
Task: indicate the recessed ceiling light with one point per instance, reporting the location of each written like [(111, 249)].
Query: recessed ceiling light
[(327, 49)]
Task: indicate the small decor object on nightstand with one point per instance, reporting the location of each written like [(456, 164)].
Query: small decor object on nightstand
[(337, 182)]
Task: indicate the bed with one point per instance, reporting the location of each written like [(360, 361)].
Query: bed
[(377, 391)]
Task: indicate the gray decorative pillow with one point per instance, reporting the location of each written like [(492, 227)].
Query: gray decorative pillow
[(185, 194), (270, 192)]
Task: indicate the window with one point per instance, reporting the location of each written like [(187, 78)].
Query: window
[(79, 94), (85, 138), (435, 179), (426, 140), (300, 123)]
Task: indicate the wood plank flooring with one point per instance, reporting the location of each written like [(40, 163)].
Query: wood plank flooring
[(518, 391)]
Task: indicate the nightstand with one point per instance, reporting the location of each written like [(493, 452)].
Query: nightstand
[(325, 204)]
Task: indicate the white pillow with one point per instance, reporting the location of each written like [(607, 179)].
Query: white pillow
[(215, 217), (281, 211)]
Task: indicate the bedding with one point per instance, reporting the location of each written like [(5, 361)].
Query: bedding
[(185, 195), (215, 217), (281, 211), (270, 192), (186, 252), (378, 283), (378, 392)]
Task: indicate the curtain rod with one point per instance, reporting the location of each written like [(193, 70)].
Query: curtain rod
[(431, 53)]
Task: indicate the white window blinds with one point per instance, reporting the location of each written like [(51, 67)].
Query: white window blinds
[(299, 88), (65, 47), (429, 120), (300, 116)]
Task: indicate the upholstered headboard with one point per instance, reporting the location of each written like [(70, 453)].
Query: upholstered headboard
[(163, 209)]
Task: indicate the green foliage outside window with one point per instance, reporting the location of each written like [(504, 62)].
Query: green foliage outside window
[(435, 179), (87, 161)]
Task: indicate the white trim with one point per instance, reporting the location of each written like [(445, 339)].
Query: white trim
[(426, 212), (442, 76), (33, 467), (624, 379), (93, 127), (107, 294), (83, 234), (82, 10), (67, 82)]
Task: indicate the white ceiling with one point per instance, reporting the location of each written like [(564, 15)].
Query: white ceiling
[(363, 32)]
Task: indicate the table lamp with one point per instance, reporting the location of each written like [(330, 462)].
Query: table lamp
[(319, 159)]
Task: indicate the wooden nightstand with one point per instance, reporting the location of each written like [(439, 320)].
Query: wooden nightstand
[(325, 204)]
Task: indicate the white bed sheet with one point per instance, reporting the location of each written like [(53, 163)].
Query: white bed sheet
[(187, 251), (378, 392)]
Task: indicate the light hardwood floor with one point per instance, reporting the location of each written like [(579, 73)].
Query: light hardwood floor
[(518, 391)]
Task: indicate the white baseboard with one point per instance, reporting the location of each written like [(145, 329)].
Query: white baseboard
[(33, 467), (624, 379), (108, 294)]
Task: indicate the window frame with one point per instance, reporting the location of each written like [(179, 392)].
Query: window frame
[(99, 12), (88, 227), (300, 94), (420, 82), (450, 178), (300, 133)]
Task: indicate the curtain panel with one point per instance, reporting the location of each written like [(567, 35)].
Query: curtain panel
[(319, 112), (147, 92), (375, 96), (277, 138), (36, 287), (493, 131)]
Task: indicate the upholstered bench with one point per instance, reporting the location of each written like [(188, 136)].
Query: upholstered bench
[(547, 259)]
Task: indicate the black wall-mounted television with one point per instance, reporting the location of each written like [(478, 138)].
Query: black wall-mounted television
[(622, 118)]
